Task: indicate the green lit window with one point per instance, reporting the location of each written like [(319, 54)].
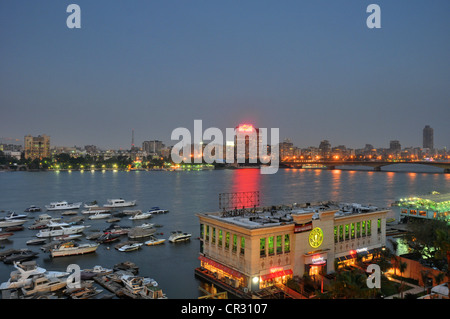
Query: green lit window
[(227, 240), (213, 235), (287, 243), (347, 233), (369, 227), (358, 229), (353, 230), (279, 244), (271, 246), (202, 232), (335, 234), (262, 247), (242, 245), (341, 232), (363, 228), (220, 237), (234, 249), (379, 226)]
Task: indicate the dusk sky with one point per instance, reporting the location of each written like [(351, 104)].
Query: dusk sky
[(311, 68)]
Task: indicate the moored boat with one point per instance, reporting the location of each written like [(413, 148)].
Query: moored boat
[(42, 284), (157, 210), (108, 238), (14, 215), (128, 246), (22, 276), (96, 271), (95, 209), (36, 241), (32, 209), (178, 236), (71, 248), (19, 256), (63, 205), (12, 222), (4, 236), (139, 232), (120, 202), (99, 215), (59, 229), (154, 241), (140, 215)]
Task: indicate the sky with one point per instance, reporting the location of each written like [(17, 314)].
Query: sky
[(313, 69)]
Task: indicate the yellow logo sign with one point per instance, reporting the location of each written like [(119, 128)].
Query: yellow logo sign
[(316, 237)]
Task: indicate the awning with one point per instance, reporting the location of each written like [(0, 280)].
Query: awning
[(276, 274), (354, 254), (224, 268)]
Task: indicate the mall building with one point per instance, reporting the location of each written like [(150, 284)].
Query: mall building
[(251, 250)]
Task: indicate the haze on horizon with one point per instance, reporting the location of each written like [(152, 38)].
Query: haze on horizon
[(312, 69)]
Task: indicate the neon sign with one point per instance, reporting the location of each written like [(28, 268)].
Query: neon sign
[(245, 128)]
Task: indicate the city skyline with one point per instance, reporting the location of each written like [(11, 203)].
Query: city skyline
[(313, 70)]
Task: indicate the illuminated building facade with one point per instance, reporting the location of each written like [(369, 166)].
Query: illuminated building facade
[(37, 147), (247, 141), (252, 251), (432, 206)]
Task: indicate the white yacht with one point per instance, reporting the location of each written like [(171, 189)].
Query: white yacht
[(179, 236), (140, 215), (59, 229), (63, 205), (120, 202), (22, 277), (12, 222), (95, 209), (99, 215), (13, 215)]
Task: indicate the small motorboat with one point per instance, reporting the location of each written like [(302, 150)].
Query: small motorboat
[(67, 237), (108, 238), (22, 255), (157, 210), (178, 236), (129, 246), (4, 236), (99, 215), (140, 215), (32, 209), (36, 241), (12, 222), (14, 215), (87, 274), (154, 241)]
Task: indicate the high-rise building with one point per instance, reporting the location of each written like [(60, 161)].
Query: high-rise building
[(246, 143), (395, 147), (325, 149), (153, 147), (428, 137), (37, 147)]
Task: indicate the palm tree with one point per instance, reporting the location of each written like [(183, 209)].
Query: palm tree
[(402, 267), (350, 284), (424, 274)]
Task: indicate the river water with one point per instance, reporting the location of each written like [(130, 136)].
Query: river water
[(186, 193)]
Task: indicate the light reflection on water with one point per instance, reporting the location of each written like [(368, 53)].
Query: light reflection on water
[(187, 193)]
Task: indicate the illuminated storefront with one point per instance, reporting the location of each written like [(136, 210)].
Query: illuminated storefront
[(257, 250)]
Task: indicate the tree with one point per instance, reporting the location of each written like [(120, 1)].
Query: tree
[(351, 284), (402, 267)]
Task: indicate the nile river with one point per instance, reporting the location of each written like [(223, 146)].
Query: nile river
[(184, 194)]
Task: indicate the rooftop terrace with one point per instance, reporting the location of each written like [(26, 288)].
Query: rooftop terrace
[(275, 216)]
